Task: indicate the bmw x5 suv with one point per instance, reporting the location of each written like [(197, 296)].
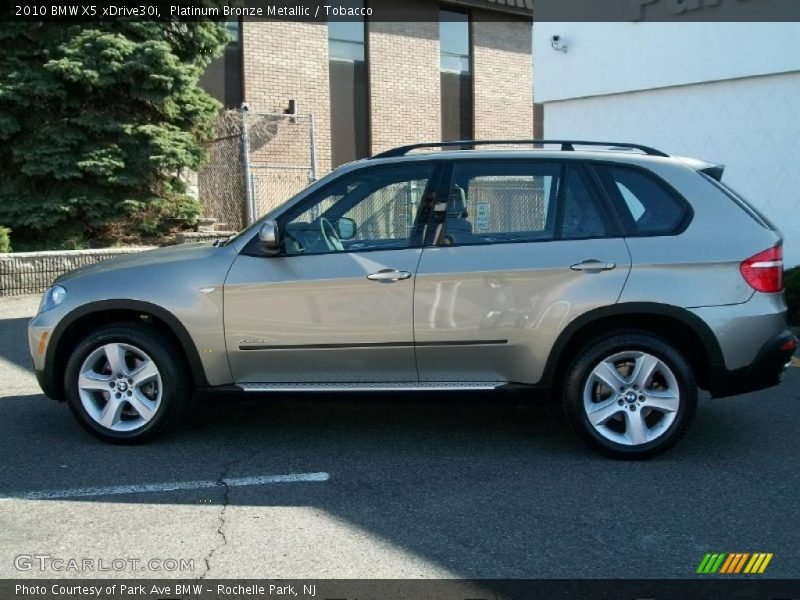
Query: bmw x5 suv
[(616, 279)]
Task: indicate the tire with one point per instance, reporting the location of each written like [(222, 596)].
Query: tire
[(649, 409), (152, 394)]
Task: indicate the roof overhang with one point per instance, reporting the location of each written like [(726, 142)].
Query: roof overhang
[(521, 8)]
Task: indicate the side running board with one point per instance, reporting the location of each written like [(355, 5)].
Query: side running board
[(400, 386)]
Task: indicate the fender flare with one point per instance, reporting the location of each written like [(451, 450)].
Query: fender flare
[(174, 324), (655, 309)]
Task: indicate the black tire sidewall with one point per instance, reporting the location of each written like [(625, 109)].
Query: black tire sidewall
[(586, 361), (159, 349)]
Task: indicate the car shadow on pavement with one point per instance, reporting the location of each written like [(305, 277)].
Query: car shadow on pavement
[(14, 346)]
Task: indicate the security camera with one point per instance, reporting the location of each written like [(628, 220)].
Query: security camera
[(558, 44), (245, 106)]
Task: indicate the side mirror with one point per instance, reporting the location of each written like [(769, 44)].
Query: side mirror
[(270, 238), (346, 228)]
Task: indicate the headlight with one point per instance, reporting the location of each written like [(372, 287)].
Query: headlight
[(52, 298)]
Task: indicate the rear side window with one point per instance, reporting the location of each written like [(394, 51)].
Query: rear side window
[(493, 202), (500, 202), (644, 203)]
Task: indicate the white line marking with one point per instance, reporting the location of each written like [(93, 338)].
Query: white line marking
[(171, 486)]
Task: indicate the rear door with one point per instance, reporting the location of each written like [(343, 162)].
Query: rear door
[(523, 248)]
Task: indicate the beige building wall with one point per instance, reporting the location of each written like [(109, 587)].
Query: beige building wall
[(502, 77), (403, 63), (284, 60)]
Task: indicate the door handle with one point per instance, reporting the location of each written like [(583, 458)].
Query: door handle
[(388, 275), (593, 265)]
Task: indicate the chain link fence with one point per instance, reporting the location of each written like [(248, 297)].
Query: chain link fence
[(281, 165), (256, 162)]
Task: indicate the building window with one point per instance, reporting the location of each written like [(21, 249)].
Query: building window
[(223, 77), (456, 75), (348, 76)]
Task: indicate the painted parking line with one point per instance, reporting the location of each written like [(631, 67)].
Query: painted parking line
[(148, 488), (796, 361)]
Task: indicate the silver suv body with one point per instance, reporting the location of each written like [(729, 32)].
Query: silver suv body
[(616, 281)]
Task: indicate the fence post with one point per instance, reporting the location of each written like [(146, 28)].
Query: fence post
[(248, 178), (312, 149)]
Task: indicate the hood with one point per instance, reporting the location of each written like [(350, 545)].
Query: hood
[(138, 260)]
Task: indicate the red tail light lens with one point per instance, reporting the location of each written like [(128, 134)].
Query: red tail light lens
[(764, 271)]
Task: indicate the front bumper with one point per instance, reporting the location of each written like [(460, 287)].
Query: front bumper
[(764, 372), (40, 330)]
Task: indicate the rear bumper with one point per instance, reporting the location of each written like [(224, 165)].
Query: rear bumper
[(764, 372)]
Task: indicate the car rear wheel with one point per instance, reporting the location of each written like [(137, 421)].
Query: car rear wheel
[(126, 383), (631, 395)]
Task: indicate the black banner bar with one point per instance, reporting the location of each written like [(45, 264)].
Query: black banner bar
[(324, 10), (717, 588)]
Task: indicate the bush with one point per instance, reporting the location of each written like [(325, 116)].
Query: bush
[(792, 283), (159, 216), (5, 242)]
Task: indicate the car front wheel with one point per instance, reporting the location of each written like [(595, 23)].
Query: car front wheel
[(631, 395), (126, 383)]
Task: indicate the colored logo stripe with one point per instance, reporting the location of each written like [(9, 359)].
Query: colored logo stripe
[(758, 563), (711, 562), (734, 562)]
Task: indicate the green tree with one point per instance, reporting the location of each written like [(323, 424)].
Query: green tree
[(97, 122)]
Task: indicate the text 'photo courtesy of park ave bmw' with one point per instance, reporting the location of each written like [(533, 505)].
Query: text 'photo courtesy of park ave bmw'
[(399, 299)]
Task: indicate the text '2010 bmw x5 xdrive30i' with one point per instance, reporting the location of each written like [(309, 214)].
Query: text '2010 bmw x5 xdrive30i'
[(620, 281)]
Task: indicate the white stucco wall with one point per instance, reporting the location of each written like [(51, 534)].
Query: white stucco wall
[(751, 125), (724, 92), (608, 58)]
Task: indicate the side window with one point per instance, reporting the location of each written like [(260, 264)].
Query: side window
[(583, 217), (370, 209), (645, 204), (501, 202)]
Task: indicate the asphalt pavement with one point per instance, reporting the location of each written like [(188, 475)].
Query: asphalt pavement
[(432, 486)]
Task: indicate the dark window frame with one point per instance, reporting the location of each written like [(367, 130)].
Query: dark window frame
[(367, 102), (234, 52), (471, 58)]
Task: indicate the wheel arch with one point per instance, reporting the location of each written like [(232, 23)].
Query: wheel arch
[(76, 324), (685, 330)]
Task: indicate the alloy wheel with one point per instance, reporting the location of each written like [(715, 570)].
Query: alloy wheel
[(631, 398), (120, 387)]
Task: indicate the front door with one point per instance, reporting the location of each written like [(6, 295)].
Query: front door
[(526, 247), (337, 304)]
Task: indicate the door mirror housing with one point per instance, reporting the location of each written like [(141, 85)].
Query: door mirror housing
[(269, 237), (346, 228)]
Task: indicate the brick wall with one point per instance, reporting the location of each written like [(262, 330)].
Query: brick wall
[(503, 77), (405, 99), (282, 61)]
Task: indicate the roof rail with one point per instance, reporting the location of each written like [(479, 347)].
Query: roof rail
[(566, 145)]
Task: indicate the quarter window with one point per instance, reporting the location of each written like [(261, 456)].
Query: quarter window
[(645, 204)]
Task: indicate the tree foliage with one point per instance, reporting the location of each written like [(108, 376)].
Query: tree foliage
[(97, 122)]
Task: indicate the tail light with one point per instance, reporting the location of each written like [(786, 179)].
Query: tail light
[(764, 271)]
